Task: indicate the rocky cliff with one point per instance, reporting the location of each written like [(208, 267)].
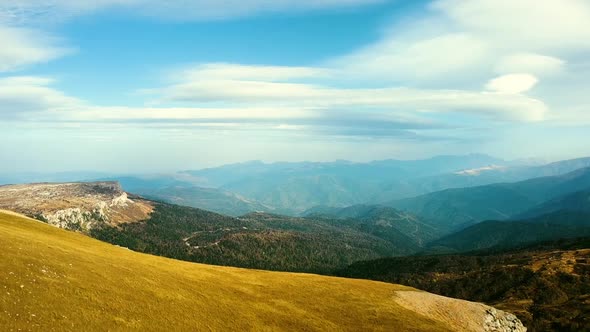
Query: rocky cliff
[(75, 206)]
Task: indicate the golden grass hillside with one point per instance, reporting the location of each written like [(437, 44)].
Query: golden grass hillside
[(55, 280)]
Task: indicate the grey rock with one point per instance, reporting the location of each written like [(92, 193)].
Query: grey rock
[(500, 321)]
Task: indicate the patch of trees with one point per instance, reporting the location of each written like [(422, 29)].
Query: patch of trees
[(545, 300), (258, 241)]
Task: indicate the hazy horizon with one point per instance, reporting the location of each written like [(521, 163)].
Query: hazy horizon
[(85, 173)]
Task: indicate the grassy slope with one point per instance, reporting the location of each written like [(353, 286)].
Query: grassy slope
[(507, 234), (51, 279)]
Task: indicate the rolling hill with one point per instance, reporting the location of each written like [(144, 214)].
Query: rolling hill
[(57, 280), (566, 216), (380, 220), (578, 201), (546, 285), (496, 173), (461, 207), (257, 240), (505, 234), (211, 199), (297, 187)]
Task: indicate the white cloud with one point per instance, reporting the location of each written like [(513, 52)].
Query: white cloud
[(232, 85), (414, 61), (227, 71), (31, 98), (460, 43), (21, 47), (244, 91), (343, 113), (221, 81), (512, 83), (560, 25), (529, 63), (431, 65)]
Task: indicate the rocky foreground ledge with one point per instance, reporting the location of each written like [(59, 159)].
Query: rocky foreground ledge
[(460, 314), (77, 206)]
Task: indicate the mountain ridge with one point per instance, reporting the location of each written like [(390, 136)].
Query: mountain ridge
[(461, 207)]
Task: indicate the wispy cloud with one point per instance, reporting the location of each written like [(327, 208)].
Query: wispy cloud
[(236, 85), (29, 98), (21, 47), (529, 63), (459, 42), (454, 71)]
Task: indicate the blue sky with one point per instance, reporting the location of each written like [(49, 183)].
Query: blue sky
[(146, 47), (147, 86)]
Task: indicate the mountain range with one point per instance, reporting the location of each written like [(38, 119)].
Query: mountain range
[(452, 241), (460, 207), (293, 188), (506, 234)]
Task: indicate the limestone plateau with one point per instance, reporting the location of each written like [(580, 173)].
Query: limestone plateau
[(75, 206)]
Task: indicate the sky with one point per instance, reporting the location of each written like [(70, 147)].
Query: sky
[(149, 86)]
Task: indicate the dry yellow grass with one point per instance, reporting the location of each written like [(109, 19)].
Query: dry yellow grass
[(55, 280)]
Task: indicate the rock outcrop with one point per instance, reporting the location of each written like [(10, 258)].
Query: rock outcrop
[(76, 206), (461, 315), (501, 321)]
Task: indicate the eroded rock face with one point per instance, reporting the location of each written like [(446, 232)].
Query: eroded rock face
[(75, 206), (500, 321)]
